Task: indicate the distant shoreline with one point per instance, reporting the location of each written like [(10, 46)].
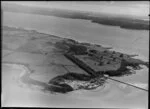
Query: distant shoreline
[(111, 20)]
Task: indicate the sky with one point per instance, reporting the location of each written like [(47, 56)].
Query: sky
[(131, 8)]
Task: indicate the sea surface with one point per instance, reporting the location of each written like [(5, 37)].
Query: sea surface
[(124, 40)]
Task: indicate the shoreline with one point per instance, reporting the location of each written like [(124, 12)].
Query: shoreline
[(25, 73), (120, 27), (124, 23), (117, 49)]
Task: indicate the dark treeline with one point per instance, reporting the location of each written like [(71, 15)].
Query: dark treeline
[(127, 23)]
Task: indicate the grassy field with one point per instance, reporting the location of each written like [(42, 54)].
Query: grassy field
[(37, 50)]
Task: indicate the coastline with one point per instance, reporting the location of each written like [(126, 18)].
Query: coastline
[(117, 49)]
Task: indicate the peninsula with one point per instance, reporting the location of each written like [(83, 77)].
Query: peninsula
[(97, 61), (89, 61)]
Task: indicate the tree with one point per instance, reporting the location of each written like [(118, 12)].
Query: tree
[(121, 55), (108, 62), (113, 52), (114, 59), (93, 51), (101, 63), (111, 56), (78, 49), (101, 57), (105, 51)]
